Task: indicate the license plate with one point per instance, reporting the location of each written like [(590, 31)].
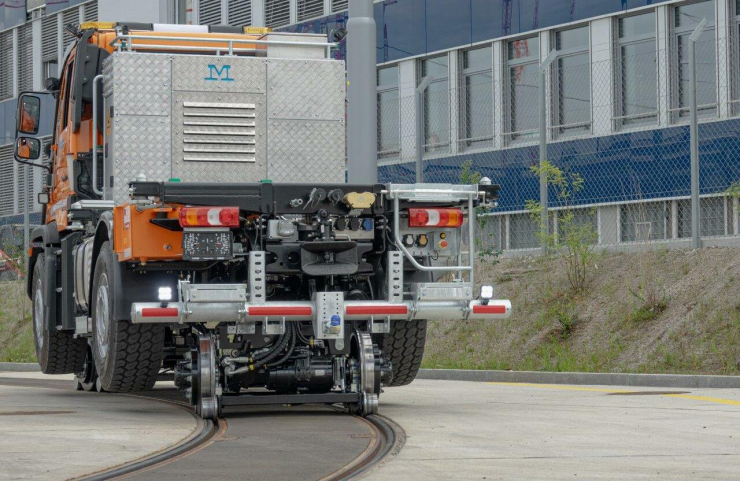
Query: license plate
[(207, 244)]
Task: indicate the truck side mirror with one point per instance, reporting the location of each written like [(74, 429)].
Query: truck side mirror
[(52, 84), (27, 149), (29, 114)]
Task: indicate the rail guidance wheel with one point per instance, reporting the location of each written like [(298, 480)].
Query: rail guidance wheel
[(86, 379), (204, 375), (366, 357)]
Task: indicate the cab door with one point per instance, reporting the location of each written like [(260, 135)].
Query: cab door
[(61, 155)]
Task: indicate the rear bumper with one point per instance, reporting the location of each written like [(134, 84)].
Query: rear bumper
[(221, 311)]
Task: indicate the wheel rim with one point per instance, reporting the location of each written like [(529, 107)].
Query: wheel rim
[(38, 313), (102, 317)]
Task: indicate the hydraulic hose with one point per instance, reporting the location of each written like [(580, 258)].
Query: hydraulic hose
[(288, 353)]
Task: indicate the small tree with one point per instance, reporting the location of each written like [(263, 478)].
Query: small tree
[(469, 176), (574, 240)]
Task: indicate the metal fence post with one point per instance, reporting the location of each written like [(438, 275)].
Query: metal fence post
[(544, 219), (694, 139), (419, 105)]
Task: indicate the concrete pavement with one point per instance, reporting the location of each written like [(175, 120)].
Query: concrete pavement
[(454, 431), (465, 430), (55, 434)]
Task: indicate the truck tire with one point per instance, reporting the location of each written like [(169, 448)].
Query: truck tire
[(127, 356), (57, 352), (404, 347)]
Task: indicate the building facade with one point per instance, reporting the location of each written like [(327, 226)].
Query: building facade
[(616, 98)]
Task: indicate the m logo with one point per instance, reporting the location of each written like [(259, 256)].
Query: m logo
[(222, 74)]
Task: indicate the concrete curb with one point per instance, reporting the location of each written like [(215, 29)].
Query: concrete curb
[(19, 367), (604, 379)]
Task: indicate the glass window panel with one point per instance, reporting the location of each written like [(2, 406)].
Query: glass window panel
[(706, 81), (526, 47), (574, 81), (573, 38), (643, 222), (478, 59), (712, 217), (388, 125), (639, 77), (479, 109), (436, 66), (687, 15), (523, 232), (388, 77), (524, 100), (637, 25), (583, 225), (436, 116)]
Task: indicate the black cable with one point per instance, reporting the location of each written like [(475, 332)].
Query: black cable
[(276, 352), (287, 354)]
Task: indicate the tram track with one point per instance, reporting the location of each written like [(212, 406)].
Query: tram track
[(385, 439)]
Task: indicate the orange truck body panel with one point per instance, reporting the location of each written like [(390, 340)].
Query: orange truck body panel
[(136, 238)]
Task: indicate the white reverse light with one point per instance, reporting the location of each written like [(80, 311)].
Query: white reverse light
[(165, 293), (486, 293)]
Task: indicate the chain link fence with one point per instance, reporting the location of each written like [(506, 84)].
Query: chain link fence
[(618, 117)]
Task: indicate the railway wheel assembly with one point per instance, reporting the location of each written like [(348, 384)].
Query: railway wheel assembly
[(127, 356), (366, 373), (86, 379), (198, 375), (58, 352)]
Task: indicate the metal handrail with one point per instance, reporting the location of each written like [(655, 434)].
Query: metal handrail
[(471, 231), (96, 91), (118, 42)]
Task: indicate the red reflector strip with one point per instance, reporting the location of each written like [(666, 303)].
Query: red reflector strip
[(376, 310), (160, 312), (489, 309), (280, 311)]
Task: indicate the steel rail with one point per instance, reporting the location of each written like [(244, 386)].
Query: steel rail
[(208, 430), (389, 439)]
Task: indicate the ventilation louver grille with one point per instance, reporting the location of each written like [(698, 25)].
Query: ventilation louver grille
[(339, 5), (277, 13), (209, 12), (6, 65), (7, 191), (310, 9), (49, 38), (91, 12), (25, 54), (218, 132), (240, 12), (71, 16)]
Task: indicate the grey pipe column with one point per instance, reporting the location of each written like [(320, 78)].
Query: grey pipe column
[(694, 139), (542, 84), (362, 111)]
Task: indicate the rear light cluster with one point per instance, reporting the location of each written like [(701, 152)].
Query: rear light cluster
[(435, 218), (209, 217)]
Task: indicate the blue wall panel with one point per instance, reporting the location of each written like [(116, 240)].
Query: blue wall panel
[(616, 168), (406, 28)]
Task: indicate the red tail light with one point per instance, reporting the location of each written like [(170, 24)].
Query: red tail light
[(209, 217), (435, 218)]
